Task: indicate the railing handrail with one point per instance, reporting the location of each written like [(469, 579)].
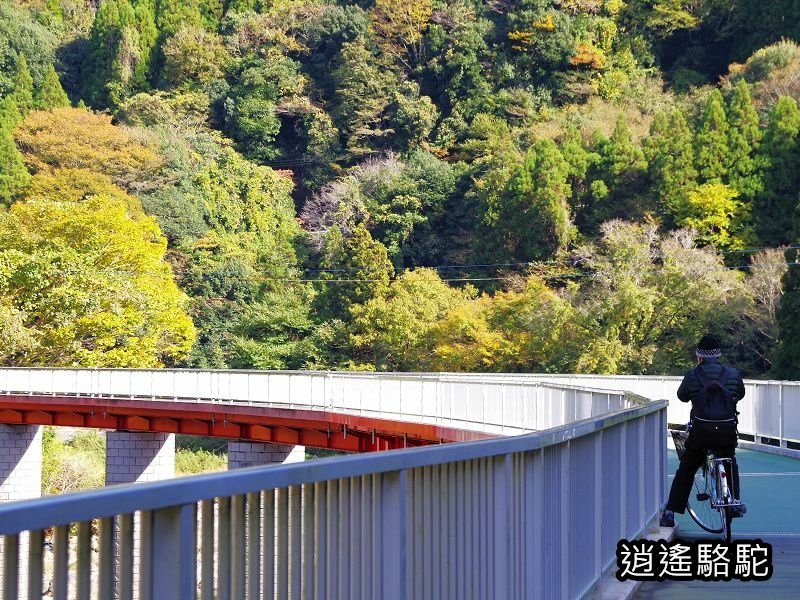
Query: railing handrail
[(384, 374)]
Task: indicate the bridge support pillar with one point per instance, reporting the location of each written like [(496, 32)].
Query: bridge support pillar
[(20, 462), (252, 454), (20, 479), (134, 456)]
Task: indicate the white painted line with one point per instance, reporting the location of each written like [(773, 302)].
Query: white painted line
[(754, 534), (784, 474)]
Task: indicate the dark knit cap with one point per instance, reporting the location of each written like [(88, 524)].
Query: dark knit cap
[(708, 347)]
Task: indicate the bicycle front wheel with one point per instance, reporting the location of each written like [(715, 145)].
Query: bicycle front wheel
[(699, 505)]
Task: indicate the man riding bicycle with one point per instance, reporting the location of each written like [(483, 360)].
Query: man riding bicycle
[(713, 389)]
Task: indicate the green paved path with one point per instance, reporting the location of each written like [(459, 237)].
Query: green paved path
[(771, 490)]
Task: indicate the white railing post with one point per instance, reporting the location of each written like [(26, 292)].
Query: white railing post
[(782, 438)]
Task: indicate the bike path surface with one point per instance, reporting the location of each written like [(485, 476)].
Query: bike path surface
[(770, 488)]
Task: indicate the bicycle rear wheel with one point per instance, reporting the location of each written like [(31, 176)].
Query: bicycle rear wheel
[(699, 505)]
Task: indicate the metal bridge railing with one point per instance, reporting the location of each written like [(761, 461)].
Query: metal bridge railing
[(487, 403), (530, 516), (769, 409)]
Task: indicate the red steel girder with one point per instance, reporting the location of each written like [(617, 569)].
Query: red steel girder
[(320, 429)]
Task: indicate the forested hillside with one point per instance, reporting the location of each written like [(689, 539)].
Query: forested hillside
[(458, 185)]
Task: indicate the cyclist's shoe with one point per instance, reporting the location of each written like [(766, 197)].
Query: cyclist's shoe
[(667, 519), (738, 509)]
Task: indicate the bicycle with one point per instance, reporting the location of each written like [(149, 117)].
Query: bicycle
[(713, 507)]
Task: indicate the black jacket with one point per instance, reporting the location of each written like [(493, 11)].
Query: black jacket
[(690, 387)]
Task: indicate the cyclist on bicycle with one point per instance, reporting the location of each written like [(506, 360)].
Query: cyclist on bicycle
[(713, 390)]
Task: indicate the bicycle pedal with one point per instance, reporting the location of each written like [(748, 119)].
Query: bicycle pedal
[(702, 497)]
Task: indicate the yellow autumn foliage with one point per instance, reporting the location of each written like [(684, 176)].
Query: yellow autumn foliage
[(88, 284), (74, 138)]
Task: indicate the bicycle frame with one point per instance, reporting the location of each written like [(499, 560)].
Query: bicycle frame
[(724, 492)]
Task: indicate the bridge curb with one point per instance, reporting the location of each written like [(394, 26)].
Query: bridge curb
[(769, 449), (610, 588)]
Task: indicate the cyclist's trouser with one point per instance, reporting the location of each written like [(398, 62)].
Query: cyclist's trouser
[(694, 456)]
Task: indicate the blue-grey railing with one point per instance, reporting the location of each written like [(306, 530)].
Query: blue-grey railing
[(530, 516)]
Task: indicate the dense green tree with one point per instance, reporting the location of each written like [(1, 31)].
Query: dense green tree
[(535, 219), (787, 358), (357, 268), (774, 208), (255, 125), (51, 94), (621, 160), (171, 15), (276, 332), (493, 156), (145, 11), (363, 93), (617, 178), (712, 154), (761, 24), (10, 116), (251, 113), (670, 155), (411, 116), (193, 56), (435, 183), (22, 34), (23, 86), (14, 177), (324, 34), (388, 331), (113, 55), (744, 138), (540, 42), (232, 6), (455, 73)]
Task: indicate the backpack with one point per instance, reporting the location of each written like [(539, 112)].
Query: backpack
[(715, 402)]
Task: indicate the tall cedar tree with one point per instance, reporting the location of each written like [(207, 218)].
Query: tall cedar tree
[(670, 154), (360, 262), (23, 86), (744, 137), (536, 220), (113, 53), (14, 177), (711, 142), (148, 40), (775, 206), (51, 94), (617, 177), (170, 16), (621, 159)]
